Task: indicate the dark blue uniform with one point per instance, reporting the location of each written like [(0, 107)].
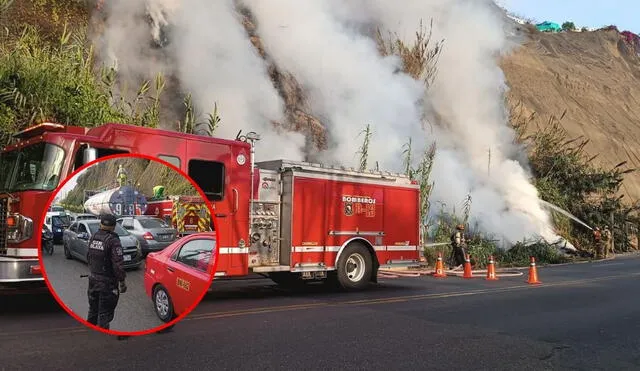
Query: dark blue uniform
[(107, 276)]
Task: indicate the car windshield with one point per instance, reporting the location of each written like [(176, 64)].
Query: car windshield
[(152, 223), (60, 220), (93, 228), (36, 167)]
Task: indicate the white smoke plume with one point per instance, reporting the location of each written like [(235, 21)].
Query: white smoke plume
[(219, 64), (473, 122), (126, 45), (349, 85), (213, 59), (347, 81)]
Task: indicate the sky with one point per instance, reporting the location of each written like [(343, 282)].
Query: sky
[(584, 13)]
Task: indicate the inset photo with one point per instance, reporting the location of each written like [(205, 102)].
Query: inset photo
[(128, 245)]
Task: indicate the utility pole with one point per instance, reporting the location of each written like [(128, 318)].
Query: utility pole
[(489, 163)]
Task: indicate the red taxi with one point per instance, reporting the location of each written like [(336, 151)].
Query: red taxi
[(176, 277)]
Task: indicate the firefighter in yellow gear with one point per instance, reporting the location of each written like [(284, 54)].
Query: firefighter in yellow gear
[(606, 240), (121, 176), (458, 246), (158, 192), (597, 240)]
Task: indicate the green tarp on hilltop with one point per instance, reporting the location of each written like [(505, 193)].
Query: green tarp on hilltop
[(548, 27)]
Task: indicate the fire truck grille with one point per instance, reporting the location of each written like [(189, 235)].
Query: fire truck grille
[(4, 208)]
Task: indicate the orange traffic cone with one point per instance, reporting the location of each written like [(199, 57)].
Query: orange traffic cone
[(491, 270), (439, 273), (533, 273), (467, 267)]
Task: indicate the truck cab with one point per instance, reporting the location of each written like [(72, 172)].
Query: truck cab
[(57, 222)]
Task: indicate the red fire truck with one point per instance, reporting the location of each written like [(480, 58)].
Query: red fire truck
[(187, 214), (344, 228)]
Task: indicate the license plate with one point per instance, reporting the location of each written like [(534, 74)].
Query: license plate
[(127, 258)]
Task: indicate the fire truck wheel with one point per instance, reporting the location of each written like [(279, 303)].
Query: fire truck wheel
[(162, 304), (354, 267)]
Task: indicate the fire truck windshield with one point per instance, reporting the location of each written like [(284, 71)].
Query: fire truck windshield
[(33, 168)]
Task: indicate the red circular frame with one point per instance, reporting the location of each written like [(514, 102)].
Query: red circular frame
[(212, 267)]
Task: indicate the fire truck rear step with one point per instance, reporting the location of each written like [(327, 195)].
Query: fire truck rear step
[(275, 268), (286, 268), (400, 264)]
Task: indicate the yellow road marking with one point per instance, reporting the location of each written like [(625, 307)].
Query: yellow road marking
[(397, 299)]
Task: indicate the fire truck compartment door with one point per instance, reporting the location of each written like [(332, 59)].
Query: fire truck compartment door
[(309, 220)]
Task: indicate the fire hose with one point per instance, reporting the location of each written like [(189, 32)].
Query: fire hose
[(449, 272)]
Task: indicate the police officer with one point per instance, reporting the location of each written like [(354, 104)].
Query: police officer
[(107, 274)]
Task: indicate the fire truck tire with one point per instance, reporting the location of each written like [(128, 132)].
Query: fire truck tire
[(162, 304), (354, 267)]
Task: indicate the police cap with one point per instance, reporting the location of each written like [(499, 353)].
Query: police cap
[(108, 220)]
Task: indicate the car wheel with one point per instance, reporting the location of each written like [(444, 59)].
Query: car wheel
[(162, 304), (355, 267), (67, 253)]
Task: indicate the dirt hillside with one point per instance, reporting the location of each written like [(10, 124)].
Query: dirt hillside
[(595, 77)]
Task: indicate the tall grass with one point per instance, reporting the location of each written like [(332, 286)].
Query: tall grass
[(61, 82)]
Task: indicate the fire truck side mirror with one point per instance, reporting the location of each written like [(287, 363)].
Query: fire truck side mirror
[(89, 154)]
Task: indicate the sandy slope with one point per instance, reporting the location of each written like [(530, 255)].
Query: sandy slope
[(596, 78)]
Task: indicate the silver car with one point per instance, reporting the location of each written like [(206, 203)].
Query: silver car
[(76, 238), (80, 217), (152, 233)]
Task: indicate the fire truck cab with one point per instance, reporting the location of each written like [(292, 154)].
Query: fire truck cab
[(42, 156)]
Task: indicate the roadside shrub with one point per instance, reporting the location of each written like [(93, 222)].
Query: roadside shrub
[(41, 82), (566, 177), (520, 255)]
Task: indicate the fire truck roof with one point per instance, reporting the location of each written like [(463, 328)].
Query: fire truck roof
[(101, 130), (283, 165)]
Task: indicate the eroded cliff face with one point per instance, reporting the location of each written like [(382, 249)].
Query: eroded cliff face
[(296, 106), (595, 77)]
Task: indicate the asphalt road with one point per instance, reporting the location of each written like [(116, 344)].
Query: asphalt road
[(135, 310), (583, 316)]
